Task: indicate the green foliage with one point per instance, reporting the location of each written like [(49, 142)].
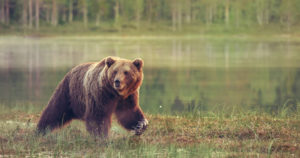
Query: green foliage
[(176, 14)]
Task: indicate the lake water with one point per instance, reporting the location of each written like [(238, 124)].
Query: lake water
[(181, 74)]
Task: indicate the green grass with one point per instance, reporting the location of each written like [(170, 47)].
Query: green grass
[(237, 135), (147, 29)]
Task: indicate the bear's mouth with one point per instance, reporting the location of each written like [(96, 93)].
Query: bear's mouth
[(119, 89)]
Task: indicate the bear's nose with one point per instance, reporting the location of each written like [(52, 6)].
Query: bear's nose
[(117, 83)]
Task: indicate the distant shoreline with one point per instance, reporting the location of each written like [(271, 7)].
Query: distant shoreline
[(188, 36)]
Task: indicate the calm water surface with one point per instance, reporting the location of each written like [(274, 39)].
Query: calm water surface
[(180, 74)]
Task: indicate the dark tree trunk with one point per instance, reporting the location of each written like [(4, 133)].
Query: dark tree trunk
[(47, 10), (2, 12), (24, 14), (30, 13), (70, 11), (37, 14), (54, 13), (174, 19), (116, 9), (227, 12), (85, 13), (179, 16), (7, 11)]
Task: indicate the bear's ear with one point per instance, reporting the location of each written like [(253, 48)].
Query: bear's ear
[(109, 61), (138, 63)]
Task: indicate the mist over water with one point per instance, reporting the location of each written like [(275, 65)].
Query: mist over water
[(181, 75)]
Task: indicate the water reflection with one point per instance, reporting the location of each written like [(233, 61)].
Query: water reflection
[(180, 75)]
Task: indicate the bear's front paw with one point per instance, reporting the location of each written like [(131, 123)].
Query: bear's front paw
[(141, 127)]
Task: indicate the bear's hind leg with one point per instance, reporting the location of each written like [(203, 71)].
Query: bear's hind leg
[(58, 112), (49, 120)]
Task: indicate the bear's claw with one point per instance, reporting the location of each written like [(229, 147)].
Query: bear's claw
[(141, 127)]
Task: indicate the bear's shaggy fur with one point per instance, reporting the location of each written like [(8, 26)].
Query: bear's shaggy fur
[(92, 92)]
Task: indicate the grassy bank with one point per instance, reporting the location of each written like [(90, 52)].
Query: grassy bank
[(239, 135), (147, 29)]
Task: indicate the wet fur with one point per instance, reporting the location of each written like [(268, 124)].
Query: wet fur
[(87, 93)]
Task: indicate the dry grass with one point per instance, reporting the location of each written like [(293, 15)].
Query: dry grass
[(167, 136)]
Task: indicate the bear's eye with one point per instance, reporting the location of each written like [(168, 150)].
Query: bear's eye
[(125, 72), (115, 72)]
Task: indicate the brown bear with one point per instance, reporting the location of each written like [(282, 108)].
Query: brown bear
[(92, 92)]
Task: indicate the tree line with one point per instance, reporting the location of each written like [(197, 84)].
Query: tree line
[(136, 13)]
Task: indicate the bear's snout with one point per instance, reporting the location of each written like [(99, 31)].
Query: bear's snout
[(117, 83)]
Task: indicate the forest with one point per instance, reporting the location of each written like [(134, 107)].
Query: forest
[(171, 15)]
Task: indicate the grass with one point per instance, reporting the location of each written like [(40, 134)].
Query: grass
[(147, 29), (240, 135)]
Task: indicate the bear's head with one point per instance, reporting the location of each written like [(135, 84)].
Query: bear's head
[(125, 76)]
